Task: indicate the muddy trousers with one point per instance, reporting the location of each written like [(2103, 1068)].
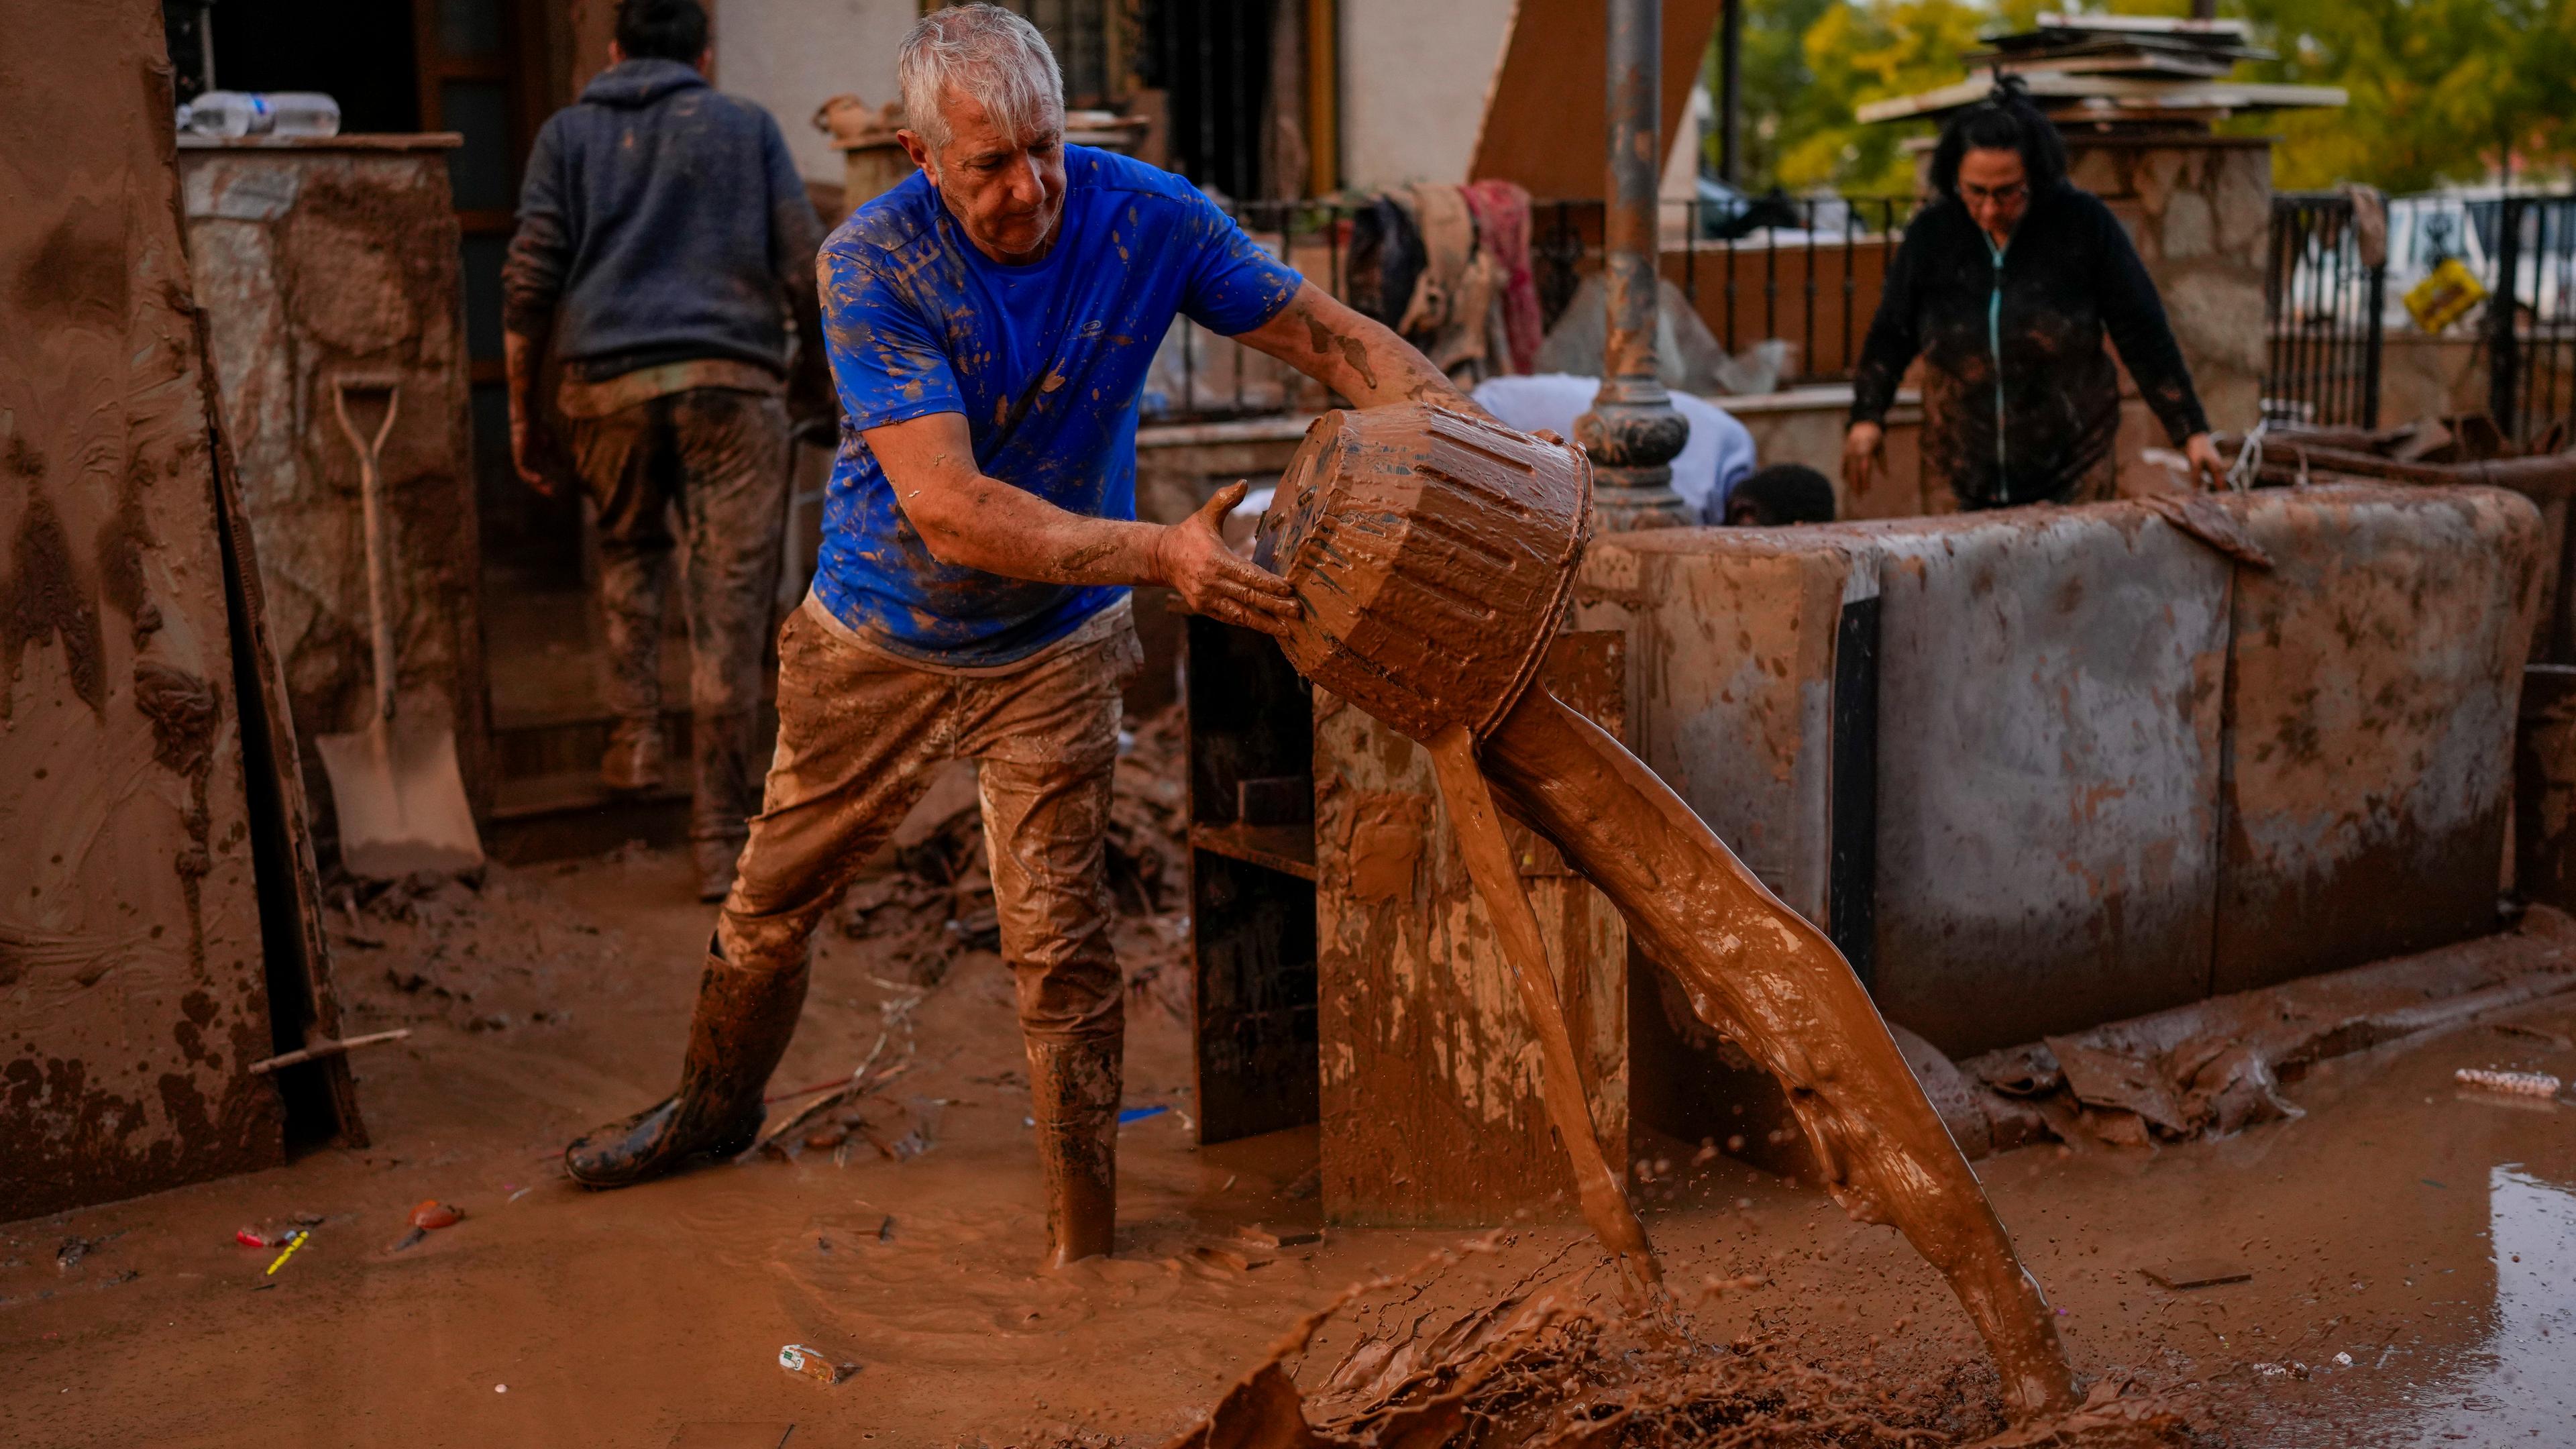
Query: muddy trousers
[(717, 458), (859, 738)]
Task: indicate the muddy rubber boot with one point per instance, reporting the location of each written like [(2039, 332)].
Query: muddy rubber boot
[(1074, 1089), (743, 1021), (634, 761)]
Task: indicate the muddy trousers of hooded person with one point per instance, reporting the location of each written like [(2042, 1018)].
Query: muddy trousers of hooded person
[(717, 458), (860, 736)]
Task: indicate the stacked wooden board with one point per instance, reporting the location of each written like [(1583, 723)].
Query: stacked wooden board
[(2117, 71)]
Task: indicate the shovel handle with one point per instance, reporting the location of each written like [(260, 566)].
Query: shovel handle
[(380, 610)]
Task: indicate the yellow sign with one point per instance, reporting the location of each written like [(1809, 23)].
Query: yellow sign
[(2437, 301)]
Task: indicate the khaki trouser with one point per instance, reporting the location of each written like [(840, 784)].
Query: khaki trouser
[(859, 736), (720, 457)]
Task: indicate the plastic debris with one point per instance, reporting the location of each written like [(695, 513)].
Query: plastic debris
[(2519, 1084), (433, 1214), (302, 1235), (1139, 1114), (798, 1358), (254, 1238)]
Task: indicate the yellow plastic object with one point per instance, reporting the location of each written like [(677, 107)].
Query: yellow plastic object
[(2437, 301)]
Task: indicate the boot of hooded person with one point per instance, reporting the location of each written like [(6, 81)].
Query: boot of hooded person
[(635, 759), (1074, 1092), (745, 1015), (727, 794)]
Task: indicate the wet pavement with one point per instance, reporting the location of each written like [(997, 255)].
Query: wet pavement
[(2405, 1251)]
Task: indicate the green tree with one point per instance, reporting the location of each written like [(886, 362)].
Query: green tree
[(2442, 90)]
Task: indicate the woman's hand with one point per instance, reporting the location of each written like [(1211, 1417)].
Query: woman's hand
[(2202, 455), (1864, 452)]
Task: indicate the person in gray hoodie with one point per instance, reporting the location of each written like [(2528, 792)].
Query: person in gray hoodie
[(664, 253)]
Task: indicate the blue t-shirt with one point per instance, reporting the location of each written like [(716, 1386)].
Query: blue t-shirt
[(1045, 361)]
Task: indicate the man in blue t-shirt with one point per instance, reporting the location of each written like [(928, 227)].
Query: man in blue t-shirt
[(989, 324)]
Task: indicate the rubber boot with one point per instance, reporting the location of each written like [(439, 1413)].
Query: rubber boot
[(743, 1021), (1074, 1088)]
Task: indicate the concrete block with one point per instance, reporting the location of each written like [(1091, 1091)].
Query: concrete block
[(1732, 642), (2373, 686), (2048, 752)]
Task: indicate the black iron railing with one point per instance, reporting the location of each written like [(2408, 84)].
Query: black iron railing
[(1805, 271), (2322, 307), (2531, 316)]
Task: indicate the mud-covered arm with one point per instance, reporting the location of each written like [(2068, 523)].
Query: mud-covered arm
[(795, 235), (532, 281), (1363, 360), (1893, 340), (980, 522), (2135, 317)]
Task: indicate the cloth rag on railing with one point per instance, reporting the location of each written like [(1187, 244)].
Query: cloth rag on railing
[(1453, 299), (1502, 211)]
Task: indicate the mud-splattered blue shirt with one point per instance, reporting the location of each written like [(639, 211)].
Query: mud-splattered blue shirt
[(1045, 361)]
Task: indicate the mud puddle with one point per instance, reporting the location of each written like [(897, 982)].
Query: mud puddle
[(2424, 1232)]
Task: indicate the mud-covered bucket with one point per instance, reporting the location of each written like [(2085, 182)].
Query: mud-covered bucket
[(1434, 552)]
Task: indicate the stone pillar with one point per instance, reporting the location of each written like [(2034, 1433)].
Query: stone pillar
[(2199, 209)]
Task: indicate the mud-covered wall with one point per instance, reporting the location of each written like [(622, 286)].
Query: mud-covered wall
[(313, 263), (132, 994), (1430, 1104)]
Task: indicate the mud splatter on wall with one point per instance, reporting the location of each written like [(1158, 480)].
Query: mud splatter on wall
[(1430, 1092), (132, 994)]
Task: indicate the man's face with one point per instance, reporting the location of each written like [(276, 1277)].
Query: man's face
[(1006, 190)]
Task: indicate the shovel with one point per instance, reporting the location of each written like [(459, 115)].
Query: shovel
[(395, 784)]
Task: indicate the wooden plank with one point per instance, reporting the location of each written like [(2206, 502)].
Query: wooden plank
[(1545, 120), (320, 1096)]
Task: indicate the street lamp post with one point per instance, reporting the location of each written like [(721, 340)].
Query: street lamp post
[(1632, 432)]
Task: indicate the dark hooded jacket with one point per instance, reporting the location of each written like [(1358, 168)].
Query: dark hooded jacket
[(2041, 425), (660, 221)]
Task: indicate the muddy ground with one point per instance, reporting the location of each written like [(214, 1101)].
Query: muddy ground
[(2411, 1247)]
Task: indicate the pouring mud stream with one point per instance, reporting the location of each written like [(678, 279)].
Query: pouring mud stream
[(1434, 555)]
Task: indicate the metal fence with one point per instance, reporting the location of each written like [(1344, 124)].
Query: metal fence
[(1806, 271), (2531, 316), (2322, 316)]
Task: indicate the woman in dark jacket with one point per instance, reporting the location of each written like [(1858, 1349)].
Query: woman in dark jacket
[(2004, 286)]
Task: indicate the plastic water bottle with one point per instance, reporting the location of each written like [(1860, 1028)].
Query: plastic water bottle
[(234, 114)]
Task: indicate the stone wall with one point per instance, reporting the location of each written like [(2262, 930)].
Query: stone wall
[(315, 262)]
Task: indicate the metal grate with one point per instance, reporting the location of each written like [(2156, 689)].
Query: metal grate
[(1806, 271), (2531, 316), (2322, 316)]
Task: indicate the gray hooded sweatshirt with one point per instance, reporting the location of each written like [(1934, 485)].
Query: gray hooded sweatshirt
[(660, 221)]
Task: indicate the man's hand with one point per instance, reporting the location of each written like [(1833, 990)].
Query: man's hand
[(1192, 557), (535, 454), (2207, 468), (1864, 453)]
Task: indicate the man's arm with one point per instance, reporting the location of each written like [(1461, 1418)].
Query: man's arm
[(531, 283), (968, 519), (1362, 360)]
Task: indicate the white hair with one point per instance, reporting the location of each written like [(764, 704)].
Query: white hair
[(986, 52)]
